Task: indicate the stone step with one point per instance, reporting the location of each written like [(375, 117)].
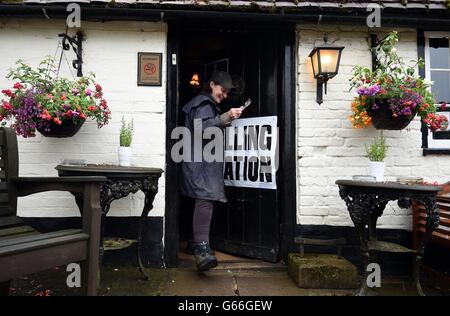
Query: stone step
[(322, 271), (384, 246), (238, 265)]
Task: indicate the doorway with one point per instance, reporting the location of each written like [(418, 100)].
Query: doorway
[(255, 222)]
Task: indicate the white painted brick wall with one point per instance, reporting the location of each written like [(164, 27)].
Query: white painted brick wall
[(328, 147), (110, 50)]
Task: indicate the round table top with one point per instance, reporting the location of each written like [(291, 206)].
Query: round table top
[(389, 185), (107, 169)]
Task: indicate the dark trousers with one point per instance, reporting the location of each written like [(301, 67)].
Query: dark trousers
[(202, 220)]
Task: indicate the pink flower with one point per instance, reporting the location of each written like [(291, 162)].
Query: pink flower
[(7, 106), (17, 85), (443, 106), (45, 115), (7, 92), (88, 92)]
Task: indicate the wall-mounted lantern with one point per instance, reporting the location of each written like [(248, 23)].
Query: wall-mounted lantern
[(325, 61)]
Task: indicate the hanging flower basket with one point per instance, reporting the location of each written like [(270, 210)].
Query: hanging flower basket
[(382, 117), (54, 106), (392, 94), (66, 129)]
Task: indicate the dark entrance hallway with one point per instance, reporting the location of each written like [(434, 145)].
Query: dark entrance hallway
[(250, 224)]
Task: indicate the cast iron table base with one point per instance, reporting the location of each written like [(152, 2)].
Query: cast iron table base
[(121, 181), (366, 202)]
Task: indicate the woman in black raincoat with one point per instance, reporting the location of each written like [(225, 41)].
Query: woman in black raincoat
[(203, 180)]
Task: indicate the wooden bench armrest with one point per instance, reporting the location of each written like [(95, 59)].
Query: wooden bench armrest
[(30, 185)]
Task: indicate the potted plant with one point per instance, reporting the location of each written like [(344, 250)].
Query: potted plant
[(56, 107), (391, 95), (126, 138), (376, 153)]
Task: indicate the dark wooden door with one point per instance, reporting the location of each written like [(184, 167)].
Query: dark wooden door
[(249, 224)]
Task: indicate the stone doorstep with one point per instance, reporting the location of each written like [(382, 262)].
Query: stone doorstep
[(238, 265), (322, 271)]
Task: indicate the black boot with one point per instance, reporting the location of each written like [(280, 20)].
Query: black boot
[(190, 248), (204, 259)]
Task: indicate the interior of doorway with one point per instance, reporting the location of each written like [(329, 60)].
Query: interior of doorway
[(198, 55)]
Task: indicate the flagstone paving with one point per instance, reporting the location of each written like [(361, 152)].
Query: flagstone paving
[(242, 277)]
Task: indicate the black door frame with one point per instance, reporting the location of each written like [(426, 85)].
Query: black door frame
[(287, 166)]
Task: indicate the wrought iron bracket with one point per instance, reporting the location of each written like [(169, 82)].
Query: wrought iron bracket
[(374, 42), (76, 43)]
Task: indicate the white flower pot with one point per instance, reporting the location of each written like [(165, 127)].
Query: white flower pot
[(125, 156), (376, 169)]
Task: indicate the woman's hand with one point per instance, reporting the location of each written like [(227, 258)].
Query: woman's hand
[(234, 113)]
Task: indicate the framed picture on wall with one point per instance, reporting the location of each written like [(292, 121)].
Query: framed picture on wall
[(149, 69)]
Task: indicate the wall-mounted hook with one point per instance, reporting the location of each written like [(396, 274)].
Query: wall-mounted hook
[(76, 43)]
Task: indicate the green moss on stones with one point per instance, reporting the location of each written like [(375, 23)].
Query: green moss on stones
[(11, 1), (323, 271)]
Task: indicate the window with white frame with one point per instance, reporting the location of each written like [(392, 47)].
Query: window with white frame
[(437, 69)]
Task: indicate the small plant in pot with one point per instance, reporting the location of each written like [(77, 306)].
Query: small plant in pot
[(376, 153), (126, 138)]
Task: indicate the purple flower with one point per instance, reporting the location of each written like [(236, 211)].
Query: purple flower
[(407, 104), (26, 114), (88, 92), (370, 91)]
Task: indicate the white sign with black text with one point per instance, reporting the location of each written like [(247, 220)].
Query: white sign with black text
[(251, 153)]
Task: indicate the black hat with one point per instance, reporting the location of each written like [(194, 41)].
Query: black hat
[(222, 78)]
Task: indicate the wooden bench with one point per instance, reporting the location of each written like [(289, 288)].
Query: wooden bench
[(441, 235), (23, 250)]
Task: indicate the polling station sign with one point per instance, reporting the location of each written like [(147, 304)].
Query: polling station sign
[(251, 153)]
